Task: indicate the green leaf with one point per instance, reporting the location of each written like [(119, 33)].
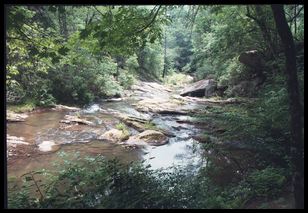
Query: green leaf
[(52, 9), (84, 33), (63, 50), (33, 51)]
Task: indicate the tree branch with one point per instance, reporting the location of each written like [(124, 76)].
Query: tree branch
[(149, 24), (98, 11), (296, 15)]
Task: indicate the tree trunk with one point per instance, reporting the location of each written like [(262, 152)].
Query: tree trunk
[(62, 21), (295, 21), (265, 31), (165, 54), (262, 23), (165, 49), (297, 146)]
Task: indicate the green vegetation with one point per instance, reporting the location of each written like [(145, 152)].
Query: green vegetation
[(124, 129), (27, 106), (177, 79), (65, 54), (110, 184)]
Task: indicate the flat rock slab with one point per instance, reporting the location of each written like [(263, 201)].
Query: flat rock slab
[(15, 117), (165, 106), (15, 140), (60, 107)]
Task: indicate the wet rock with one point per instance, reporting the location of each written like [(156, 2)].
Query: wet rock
[(114, 99), (139, 126), (47, 146), (15, 140), (15, 117), (114, 135), (152, 137), (68, 119)]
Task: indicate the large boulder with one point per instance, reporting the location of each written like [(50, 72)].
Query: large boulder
[(254, 60), (250, 58), (151, 137), (206, 87)]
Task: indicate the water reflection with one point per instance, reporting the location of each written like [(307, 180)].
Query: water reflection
[(175, 153)]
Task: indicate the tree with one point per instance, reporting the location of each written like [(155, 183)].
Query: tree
[(295, 107)]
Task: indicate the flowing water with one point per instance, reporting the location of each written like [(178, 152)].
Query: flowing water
[(39, 128)]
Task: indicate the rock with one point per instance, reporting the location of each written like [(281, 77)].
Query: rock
[(206, 87), (255, 62), (162, 106), (114, 99), (139, 126), (138, 123), (152, 137), (60, 107), (68, 119), (15, 117), (114, 135), (47, 146), (251, 58), (246, 88)]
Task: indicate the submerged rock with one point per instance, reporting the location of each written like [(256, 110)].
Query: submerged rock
[(68, 119), (152, 137)]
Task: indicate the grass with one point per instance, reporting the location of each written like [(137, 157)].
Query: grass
[(28, 106), (124, 129), (177, 79), (151, 126)]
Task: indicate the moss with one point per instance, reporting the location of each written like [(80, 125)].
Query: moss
[(28, 106), (125, 131)]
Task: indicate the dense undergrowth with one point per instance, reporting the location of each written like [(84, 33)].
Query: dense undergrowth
[(100, 183)]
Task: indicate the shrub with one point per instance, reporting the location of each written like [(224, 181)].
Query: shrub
[(126, 79), (267, 182), (177, 79)]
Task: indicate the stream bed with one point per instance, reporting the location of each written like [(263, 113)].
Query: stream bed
[(45, 127)]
